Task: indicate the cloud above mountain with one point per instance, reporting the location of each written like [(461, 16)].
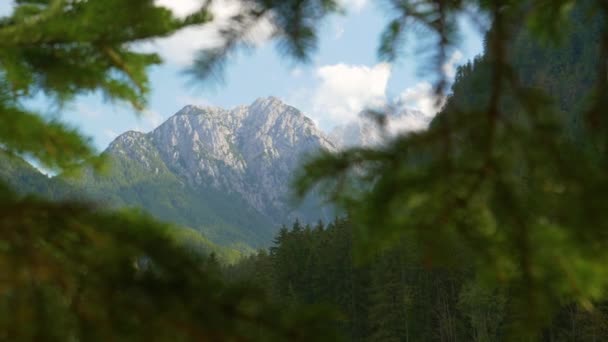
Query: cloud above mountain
[(450, 66), (181, 47), (342, 91), (421, 97), (345, 90)]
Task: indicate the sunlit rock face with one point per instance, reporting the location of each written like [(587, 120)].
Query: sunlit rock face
[(252, 151)]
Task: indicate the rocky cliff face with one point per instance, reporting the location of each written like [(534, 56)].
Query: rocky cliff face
[(251, 151)]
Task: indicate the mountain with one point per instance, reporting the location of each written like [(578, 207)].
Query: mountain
[(226, 173), (24, 179), (367, 132), (20, 175)]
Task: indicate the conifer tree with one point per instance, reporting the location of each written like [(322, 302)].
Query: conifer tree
[(71, 271), (512, 179), (509, 176)]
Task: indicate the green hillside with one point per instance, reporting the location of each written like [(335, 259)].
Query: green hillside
[(143, 193), (21, 176), (223, 218)]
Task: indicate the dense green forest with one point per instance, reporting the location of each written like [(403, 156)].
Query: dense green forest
[(393, 297), (399, 292), (28, 181), (508, 185), (221, 217)]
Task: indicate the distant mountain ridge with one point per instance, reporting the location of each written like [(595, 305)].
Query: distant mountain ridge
[(249, 150), (223, 172)]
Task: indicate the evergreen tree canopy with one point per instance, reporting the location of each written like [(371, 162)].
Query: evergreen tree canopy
[(71, 271), (509, 177)]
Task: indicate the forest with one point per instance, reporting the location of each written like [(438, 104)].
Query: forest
[(390, 296), (490, 225), (399, 293)]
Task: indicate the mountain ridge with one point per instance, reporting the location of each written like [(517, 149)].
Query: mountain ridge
[(234, 165), (223, 172), (264, 141)]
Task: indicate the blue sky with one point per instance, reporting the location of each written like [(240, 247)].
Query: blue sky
[(343, 77)]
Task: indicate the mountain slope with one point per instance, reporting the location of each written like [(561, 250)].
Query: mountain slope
[(24, 179), (226, 173)]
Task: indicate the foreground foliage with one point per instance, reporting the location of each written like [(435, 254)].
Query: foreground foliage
[(508, 183), (392, 296), (71, 271), (509, 180)]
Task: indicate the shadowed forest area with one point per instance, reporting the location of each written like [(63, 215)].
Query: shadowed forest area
[(487, 226)]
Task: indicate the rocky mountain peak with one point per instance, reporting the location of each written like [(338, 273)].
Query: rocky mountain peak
[(251, 151), (270, 101), (127, 137), (242, 159), (129, 140)]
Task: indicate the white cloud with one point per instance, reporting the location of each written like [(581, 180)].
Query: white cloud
[(181, 47), (181, 8), (356, 5), (421, 97), (345, 90), (449, 67), (407, 122)]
